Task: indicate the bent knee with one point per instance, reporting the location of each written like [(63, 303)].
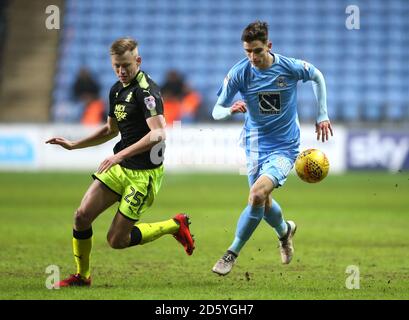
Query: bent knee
[(117, 242), (258, 197), (82, 219)]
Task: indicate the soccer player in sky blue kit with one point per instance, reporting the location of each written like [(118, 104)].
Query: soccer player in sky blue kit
[(267, 83)]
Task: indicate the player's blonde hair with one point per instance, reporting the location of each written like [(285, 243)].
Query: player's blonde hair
[(257, 30), (122, 45)]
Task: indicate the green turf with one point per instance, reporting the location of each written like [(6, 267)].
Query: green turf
[(355, 219)]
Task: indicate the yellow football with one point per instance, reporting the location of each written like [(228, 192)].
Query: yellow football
[(312, 165)]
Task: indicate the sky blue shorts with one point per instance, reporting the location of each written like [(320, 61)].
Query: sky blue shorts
[(275, 165)]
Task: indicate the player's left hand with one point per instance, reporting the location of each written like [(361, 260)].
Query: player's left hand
[(108, 163), (322, 129)]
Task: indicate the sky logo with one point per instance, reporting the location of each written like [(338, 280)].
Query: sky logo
[(378, 150), (16, 150)]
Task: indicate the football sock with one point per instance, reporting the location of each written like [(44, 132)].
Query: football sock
[(146, 232), (81, 245), (248, 222), (274, 218)]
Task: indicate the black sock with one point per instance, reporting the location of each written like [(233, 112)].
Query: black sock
[(136, 237), (82, 235)]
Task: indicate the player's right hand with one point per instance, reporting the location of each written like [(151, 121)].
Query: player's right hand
[(323, 129), (238, 106), (66, 144)]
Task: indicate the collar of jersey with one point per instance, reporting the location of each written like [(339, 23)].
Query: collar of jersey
[(276, 58), (275, 62), (133, 80)]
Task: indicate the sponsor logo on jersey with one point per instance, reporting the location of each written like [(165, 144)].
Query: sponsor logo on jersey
[(119, 112), (269, 102)]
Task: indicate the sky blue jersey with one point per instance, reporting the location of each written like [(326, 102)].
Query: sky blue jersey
[(271, 120)]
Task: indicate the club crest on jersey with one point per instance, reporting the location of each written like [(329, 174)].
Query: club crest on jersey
[(280, 82), (129, 97), (150, 102)]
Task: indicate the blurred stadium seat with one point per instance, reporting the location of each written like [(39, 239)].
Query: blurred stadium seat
[(366, 70)]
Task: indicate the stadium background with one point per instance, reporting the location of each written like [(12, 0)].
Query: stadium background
[(367, 77)]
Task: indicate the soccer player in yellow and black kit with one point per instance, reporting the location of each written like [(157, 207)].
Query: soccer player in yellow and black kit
[(133, 175)]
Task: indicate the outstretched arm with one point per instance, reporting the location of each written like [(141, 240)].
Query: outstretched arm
[(105, 133), (222, 113), (322, 125)]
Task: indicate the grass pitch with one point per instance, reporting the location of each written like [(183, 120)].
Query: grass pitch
[(359, 219)]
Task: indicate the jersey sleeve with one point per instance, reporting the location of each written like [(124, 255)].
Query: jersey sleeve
[(229, 89), (151, 101), (302, 70)]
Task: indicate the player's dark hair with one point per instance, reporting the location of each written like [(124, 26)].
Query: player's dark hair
[(123, 45), (257, 30)]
